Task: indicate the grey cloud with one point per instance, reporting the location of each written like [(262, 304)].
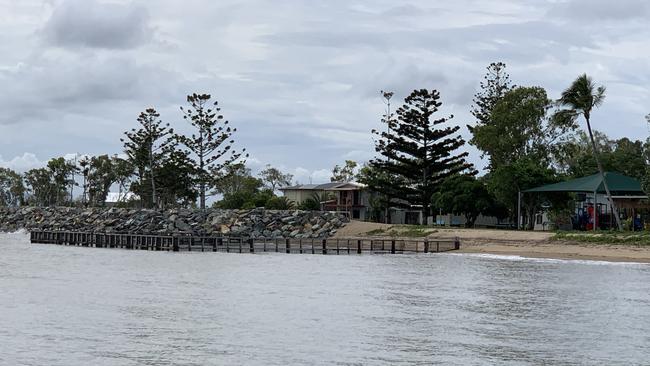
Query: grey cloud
[(94, 24), (299, 79), (47, 86)]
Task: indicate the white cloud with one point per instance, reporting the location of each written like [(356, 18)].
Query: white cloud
[(22, 163)]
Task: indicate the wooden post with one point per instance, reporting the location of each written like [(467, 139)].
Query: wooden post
[(359, 246), (324, 250), (337, 246), (287, 245), (457, 243), (175, 247), (392, 246), (240, 240), (426, 246), (251, 244)]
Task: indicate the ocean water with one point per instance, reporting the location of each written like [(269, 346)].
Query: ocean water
[(86, 306)]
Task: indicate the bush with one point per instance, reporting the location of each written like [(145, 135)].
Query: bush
[(279, 203)]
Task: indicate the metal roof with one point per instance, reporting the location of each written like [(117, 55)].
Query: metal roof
[(324, 186), (616, 182)]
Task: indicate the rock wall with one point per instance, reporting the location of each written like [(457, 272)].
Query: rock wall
[(250, 223)]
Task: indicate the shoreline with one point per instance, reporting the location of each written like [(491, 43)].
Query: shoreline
[(529, 244), (561, 250)]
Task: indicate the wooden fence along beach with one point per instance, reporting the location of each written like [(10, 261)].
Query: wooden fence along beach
[(233, 244)]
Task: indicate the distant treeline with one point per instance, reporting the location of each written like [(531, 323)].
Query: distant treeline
[(528, 139)]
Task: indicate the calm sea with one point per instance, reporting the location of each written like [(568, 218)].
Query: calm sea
[(85, 306)]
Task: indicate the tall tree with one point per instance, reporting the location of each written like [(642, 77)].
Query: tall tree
[(211, 145), (145, 149), (61, 176), (418, 150), (379, 203), (84, 168), (234, 178), (175, 177), (520, 126), (466, 195), (506, 181), (345, 173), (41, 190), (580, 99), (273, 178), (123, 171), (100, 178), (12, 189), (495, 85)]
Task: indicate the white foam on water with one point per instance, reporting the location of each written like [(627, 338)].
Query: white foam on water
[(549, 260)]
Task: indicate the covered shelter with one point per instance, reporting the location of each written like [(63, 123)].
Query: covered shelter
[(626, 191)]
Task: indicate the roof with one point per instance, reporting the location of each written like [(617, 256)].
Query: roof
[(619, 183), (333, 186)]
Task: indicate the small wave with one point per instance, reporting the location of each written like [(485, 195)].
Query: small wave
[(17, 232), (548, 260)]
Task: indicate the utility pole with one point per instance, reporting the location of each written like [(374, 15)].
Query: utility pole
[(386, 96)]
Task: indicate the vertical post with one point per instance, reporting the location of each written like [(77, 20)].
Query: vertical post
[(392, 246), (426, 246), (175, 244), (457, 243), (596, 210), (519, 210), (359, 246), (240, 240), (324, 246), (251, 243), (287, 245)]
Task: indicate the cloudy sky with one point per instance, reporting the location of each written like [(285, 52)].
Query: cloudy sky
[(299, 79)]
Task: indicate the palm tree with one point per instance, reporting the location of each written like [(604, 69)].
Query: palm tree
[(580, 99)]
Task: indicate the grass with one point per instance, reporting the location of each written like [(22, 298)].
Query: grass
[(640, 238)]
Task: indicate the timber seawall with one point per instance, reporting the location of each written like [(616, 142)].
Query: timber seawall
[(254, 223)]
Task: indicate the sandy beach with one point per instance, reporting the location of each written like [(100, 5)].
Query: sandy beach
[(531, 244)]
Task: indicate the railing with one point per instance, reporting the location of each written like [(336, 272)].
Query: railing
[(235, 244)]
